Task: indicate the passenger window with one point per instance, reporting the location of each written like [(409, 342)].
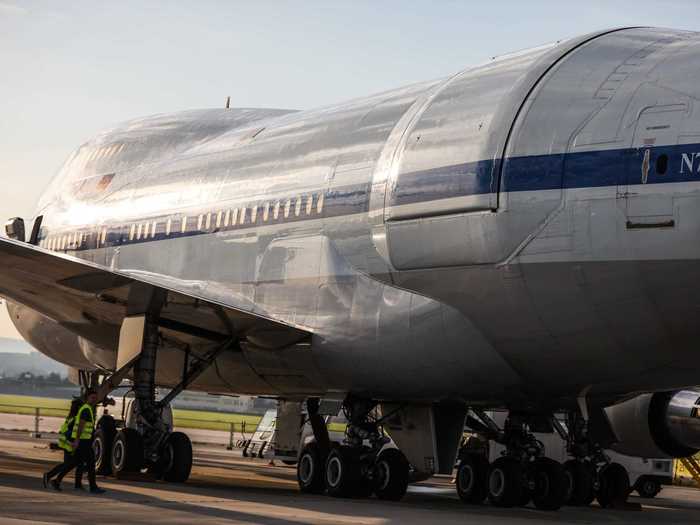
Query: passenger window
[(309, 204), (168, 227), (184, 225), (276, 211), (200, 222), (132, 232), (253, 214), (662, 164), (242, 221), (227, 217), (266, 211), (219, 216), (138, 232), (208, 221), (153, 230), (287, 208), (297, 208), (319, 205), (234, 218), (104, 236)]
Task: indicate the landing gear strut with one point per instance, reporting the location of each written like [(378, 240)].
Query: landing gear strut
[(358, 467), (590, 474), (522, 474), (146, 439)]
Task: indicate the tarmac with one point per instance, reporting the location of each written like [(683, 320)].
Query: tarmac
[(226, 488)]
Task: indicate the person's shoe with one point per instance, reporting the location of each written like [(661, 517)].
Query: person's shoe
[(45, 480), (56, 484), (79, 487), (97, 490)]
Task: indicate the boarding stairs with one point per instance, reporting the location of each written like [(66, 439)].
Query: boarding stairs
[(693, 467)]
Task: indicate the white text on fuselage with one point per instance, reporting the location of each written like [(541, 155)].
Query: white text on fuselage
[(688, 162)]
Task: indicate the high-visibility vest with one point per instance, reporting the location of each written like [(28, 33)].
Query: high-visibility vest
[(66, 427), (88, 425)]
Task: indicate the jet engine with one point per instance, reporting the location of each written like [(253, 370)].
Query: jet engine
[(663, 424)]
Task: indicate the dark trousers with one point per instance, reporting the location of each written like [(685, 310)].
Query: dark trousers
[(82, 459), (86, 458)]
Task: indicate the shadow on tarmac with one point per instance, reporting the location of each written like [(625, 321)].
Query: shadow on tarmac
[(206, 493)]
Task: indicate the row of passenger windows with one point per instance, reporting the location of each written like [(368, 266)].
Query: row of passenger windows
[(267, 212)]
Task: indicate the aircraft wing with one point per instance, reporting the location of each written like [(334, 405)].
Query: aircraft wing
[(92, 301)]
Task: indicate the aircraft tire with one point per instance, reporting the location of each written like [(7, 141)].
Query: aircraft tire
[(471, 478), (342, 473), (550, 484), (310, 470), (614, 486), (504, 482), (392, 479), (179, 453), (102, 448), (579, 482), (127, 451)]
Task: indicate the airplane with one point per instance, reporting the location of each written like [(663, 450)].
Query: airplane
[(522, 235)]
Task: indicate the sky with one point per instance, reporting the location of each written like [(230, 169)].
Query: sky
[(70, 69)]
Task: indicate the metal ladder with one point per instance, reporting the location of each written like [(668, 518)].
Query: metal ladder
[(693, 467)]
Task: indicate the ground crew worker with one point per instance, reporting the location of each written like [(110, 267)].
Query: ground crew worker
[(64, 442), (82, 434)]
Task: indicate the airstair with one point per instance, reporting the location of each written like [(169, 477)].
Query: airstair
[(693, 467)]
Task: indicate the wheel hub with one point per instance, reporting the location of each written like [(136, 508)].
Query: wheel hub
[(383, 474), (334, 472), (306, 468), (497, 482), (118, 454), (466, 478), (97, 449)]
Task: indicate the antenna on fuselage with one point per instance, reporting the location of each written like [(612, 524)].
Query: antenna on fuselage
[(228, 102)]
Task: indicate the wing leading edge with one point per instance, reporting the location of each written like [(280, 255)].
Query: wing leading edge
[(92, 302)]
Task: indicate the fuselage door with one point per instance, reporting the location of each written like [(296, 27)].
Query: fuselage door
[(646, 203)]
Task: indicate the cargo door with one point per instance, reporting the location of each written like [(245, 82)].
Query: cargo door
[(645, 203)]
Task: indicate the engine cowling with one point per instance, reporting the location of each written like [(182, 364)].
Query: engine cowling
[(663, 424)]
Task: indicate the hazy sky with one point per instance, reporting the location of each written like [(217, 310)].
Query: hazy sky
[(70, 69)]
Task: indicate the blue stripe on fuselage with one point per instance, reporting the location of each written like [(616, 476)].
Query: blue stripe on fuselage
[(590, 169)]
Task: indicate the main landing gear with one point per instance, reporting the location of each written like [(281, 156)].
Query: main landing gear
[(144, 439), (362, 465), (589, 474), (522, 474)]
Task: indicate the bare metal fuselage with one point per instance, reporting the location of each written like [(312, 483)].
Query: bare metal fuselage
[(521, 232)]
